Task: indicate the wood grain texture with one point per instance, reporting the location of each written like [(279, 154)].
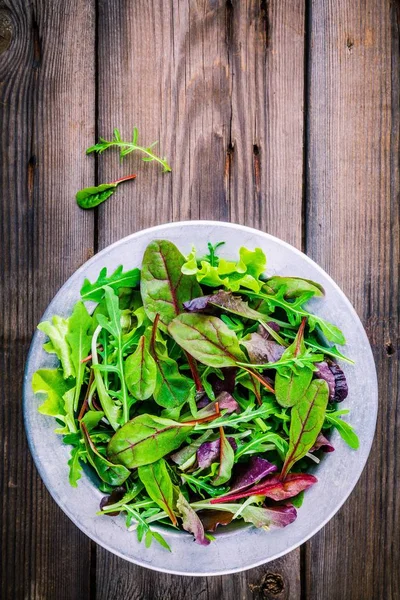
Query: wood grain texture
[(205, 86), (353, 232), (47, 115)]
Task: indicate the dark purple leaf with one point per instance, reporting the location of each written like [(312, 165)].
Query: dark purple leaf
[(341, 389), (322, 443), (335, 378), (261, 350), (190, 521), (209, 452), (273, 487), (247, 474), (116, 496), (211, 519), (227, 384), (226, 301)]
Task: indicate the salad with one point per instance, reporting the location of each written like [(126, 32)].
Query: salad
[(195, 391)]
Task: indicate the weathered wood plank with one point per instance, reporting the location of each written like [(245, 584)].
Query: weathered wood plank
[(353, 232), (199, 85), (46, 119)]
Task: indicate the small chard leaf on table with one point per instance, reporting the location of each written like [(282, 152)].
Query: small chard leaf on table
[(207, 339), (91, 197), (307, 418), (290, 385), (226, 460), (141, 371), (163, 286), (106, 470), (145, 439), (79, 339), (157, 481), (116, 280)]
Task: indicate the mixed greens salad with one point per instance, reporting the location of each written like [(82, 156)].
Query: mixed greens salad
[(195, 391)]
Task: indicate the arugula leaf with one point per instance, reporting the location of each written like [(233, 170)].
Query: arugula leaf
[(79, 339), (157, 481), (307, 418), (315, 345), (128, 147), (91, 197), (52, 383), (345, 430), (141, 371), (106, 470), (56, 330), (290, 385), (163, 287), (116, 280), (145, 439), (207, 339)]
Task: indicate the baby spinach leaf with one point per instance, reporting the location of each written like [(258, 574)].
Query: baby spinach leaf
[(207, 339), (145, 439), (106, 470), (226, 460), (290, 385), (307, 418), (52, 383), (294, 287), (56, 330), (163, 286), (171, 388), (157, 481), (91, 197), (95, 291), (79, 339), (190, 521), (141, 371)]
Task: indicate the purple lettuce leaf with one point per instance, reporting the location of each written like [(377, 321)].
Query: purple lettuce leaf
[(190, 521), (116, 496), (227, 384), (183, 455), (335, 378), (225, 402), (261, 350), (267, 517), (211, 519), (209, 452), (247, 474), (264, 333), (322, 443), (226, 301)]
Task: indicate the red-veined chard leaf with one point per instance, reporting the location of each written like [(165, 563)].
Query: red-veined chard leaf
[(290, 385), (207, 339), (226, 460), (116, 280), (145, 439), (163, 286), (141, 371), (272, 487), (157, 481), (106, 470), (307, 418), (90, 197), (191, 521)]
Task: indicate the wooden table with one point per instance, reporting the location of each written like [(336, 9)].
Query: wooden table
[(279, 114)]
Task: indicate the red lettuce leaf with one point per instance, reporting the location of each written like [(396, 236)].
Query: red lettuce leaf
[(247, 474), (116, 495), (262, 350), (190, 521), (209, 452), (225, 402), (273, 487), (322, 443), (335, 378), (270, 517), (226, 301), (211, 519)]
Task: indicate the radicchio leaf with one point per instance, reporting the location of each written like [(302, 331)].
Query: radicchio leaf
[(247, 474), (322, 443), (191, 521), (277, 516), (262, 350), (211, 519), (209, 452), (341, 389), (273, 487)]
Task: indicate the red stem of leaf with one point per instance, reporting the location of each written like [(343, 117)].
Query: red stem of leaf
[(205, 419), (126, 178), (85, 403), (261, 380), (300, 335), (195, 372), (154, 333)]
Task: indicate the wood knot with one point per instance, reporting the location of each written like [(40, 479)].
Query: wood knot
[(270, 587), (6, 30), (349, 45), (390, 350)]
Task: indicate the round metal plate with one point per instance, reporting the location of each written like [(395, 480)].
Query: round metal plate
[(238, 548)]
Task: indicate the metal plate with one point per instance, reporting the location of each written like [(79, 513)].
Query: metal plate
[(238, 548)]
